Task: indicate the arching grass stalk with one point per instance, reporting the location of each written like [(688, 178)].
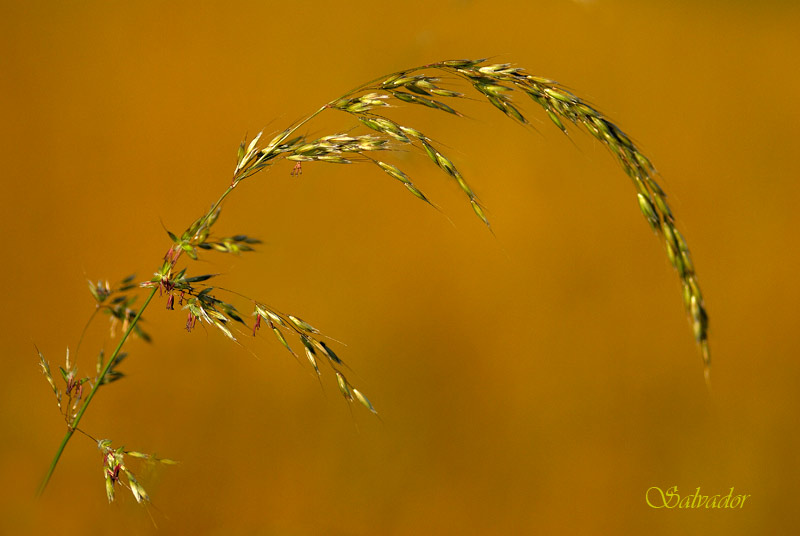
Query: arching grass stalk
[(369, 104)]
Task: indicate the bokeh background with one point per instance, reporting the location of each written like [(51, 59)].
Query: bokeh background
[(536, 381)]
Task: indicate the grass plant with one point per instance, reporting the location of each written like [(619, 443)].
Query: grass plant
[(373, 141)]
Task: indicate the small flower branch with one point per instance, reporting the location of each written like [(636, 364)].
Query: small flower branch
[(72, 423), (114, 466), (368, 105)]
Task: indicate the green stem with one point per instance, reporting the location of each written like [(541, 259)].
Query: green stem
[(83, 333), (98, 382), (216, 205)]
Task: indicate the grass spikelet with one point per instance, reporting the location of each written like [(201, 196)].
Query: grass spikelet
[(395, 172), (300, 324), (311, 354), (479, 212), (344, 387), (363, 399), (281, 338), (45, 366)]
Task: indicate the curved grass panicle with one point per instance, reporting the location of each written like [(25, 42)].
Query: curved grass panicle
[(366, 106), (499, 83)]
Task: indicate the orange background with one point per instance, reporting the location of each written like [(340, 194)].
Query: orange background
[(536, 382)]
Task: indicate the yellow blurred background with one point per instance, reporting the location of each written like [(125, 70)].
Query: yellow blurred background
[(539, 381)]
